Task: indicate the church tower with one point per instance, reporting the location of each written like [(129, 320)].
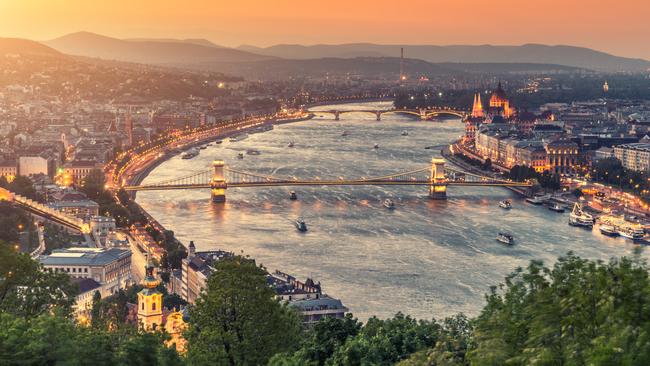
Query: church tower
[(477, 108), (150, 302)]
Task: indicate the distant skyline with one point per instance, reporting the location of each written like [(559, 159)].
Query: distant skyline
[(618, 27)]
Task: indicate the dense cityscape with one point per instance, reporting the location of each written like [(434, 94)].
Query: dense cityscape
[(173, 201)]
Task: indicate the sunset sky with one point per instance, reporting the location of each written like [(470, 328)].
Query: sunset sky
[(621, 27)]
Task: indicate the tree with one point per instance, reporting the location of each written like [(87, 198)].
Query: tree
[(385, 342), (237, 320), (23, 186), (27, 291)]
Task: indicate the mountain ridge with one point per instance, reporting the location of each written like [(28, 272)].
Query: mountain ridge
[(574, 56), (161, 52)]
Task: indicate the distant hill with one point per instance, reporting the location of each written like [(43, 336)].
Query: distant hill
[(386, 67), (161, 52), (529, 53), (196, 41), (26, 47)]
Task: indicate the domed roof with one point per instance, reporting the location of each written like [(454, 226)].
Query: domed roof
[(499, 92)]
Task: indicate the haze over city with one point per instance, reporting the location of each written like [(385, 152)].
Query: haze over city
[(618, 27)]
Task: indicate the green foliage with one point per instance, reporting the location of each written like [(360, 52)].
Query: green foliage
[(579, 312), (23, 186), (55, 340), (26, 291), (385, 342), (12, 221), (237, 320)]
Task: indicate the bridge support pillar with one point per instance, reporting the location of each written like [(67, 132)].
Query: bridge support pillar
[(438, 187), (378, 113), (337, 115), (423, 114), (218, 182)]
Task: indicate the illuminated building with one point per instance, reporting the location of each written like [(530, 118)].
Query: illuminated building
[(562, 156), (110, 267), (475, 119), (150, 302), (8, 169), (74, 172), (499, 103), (477, 107), (152, 316)]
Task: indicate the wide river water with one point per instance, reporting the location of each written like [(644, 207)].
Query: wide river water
[(425, 258)]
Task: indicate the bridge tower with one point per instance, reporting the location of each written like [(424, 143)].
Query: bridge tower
[(378, 114), (218, 182), (337, 114), (423, 114), (438, 187)]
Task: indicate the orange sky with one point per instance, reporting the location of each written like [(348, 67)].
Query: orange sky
[(621, 27)]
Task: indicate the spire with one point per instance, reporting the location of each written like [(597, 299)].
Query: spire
[(477, 107)]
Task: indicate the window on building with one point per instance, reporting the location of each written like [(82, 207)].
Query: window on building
[(143, 305), (153, 305)]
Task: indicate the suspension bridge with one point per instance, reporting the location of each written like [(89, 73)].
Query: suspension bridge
[(435, 176), (423, 113)]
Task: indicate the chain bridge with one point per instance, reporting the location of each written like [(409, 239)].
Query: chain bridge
[(435, 176)]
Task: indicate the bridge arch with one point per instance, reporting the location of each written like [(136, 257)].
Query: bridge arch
[(458, 114)]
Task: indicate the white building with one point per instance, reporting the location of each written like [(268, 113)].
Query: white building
[(634, 156)]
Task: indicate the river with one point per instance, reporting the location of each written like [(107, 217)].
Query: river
[(425, 258)]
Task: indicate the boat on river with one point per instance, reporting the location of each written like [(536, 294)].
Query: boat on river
[(253, 152), (608, 230), (300, 225), (389, 204), (578, 217), (556, 207), (633, 233), (189, 154), (293, 196), (505, 204), (505, 238)]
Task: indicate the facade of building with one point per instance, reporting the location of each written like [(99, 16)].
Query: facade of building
[(8, 169), (634, 156), (499, 103), (35, 165), (196, 269), (77, 170), (75, 204), (111, 267), (562, 156)]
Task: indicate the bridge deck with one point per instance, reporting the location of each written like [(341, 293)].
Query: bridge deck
[(317, 183)]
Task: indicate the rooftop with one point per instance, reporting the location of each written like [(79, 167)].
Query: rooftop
[(84, 256)]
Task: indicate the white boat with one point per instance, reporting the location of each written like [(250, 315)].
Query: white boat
[(345, 133), (578, 217), (405, 133), (253, 152), (290, 144), (505, 238), (389, 204), (608, 230), (293, 196), (240, 156), (505, 204), (189, 154), (376, 146), (634, 233), (556, 207)]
